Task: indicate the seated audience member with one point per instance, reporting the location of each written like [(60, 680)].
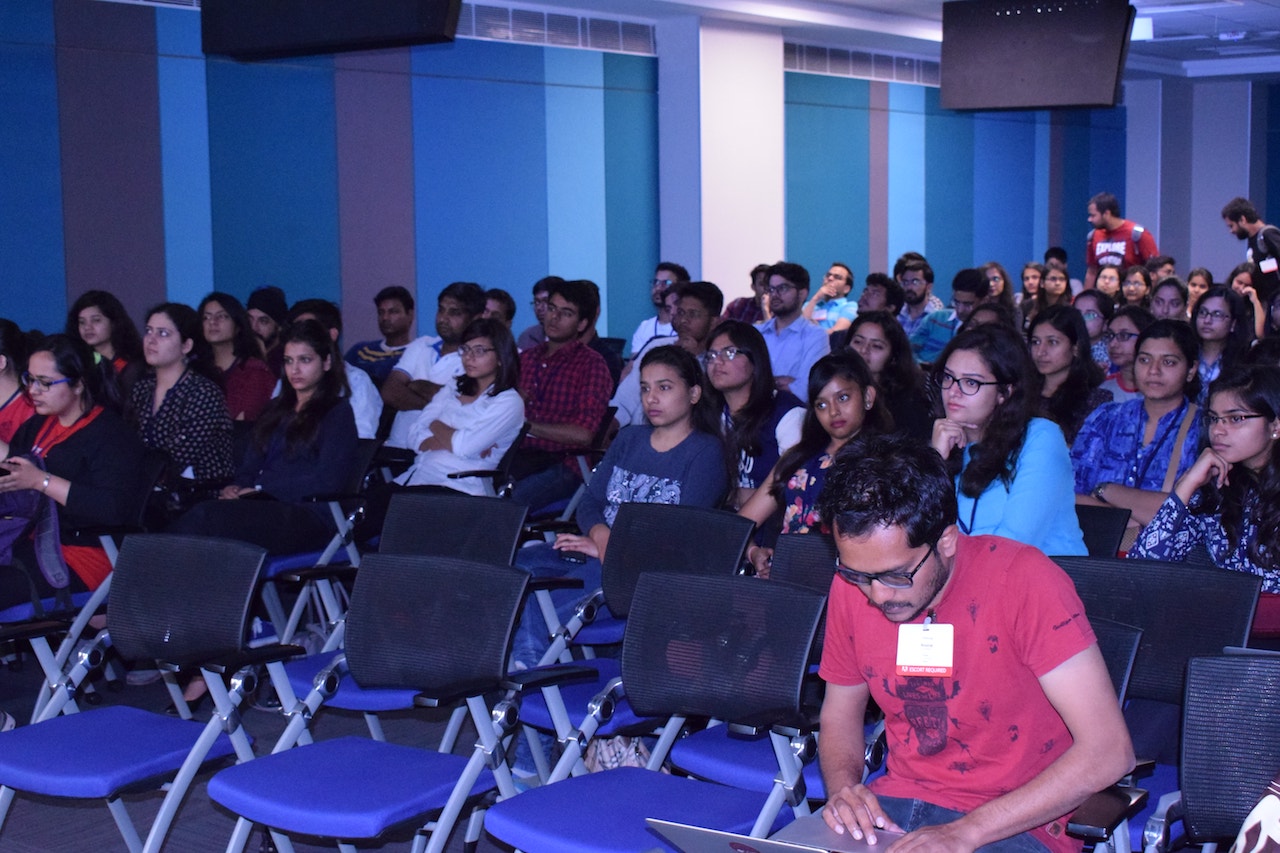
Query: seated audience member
[(1097, 311), (92, 462), (268, 311), (1242, 280), (830, 307), (245, 379), (98, 319), (16, 406), (1013, 473), (470, 425), (992, 312), (969, 288), (177, 407), (1169, 299), (1068, 376), (1271, 328), (1056, 289), (999, 289), (612, 358), (533, 335), (429, 363), (1128, 454), (665, 276), (1136, 289), (883, 345), (565, 385), (304, 444), (358, 388), (759, 422), (1121, 338), (395, 324), (675, 458), (1161, 267), (916, 278), (842, 401), (881, 292), (1055, 258), (1224, 325), (794, 343), (752, 309), (1198, 281), (1021, 727), (500, 306), (1108, 283), (695, 306), (1229, 499), (1032, 280)]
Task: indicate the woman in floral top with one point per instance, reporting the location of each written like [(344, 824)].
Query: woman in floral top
[(842, 400), (1229, 499)]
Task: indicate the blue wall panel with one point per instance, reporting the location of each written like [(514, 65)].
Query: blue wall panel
[(949, 192), (1004, 182), (273, 165), (907, 171), (827, 162)]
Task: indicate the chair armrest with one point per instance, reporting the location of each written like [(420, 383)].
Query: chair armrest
[(462, 475), (536, 584), (550, 525), (33, 628), (1100, 815), (543, 676), (250, 657), (1155, 835), (334, 572)]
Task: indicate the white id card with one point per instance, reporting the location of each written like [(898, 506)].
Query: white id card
[(926, 650), (1269, 265)]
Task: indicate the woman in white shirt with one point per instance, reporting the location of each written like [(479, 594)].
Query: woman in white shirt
[(469, 426)]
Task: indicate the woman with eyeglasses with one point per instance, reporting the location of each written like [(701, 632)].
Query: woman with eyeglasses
[(1068, 376), (1224, 325), (1013, 474), (1097, 311), (1128, 454), (91, 462), (759, 421), (1121, 339), (1108, 283), (468, 427), (1229, 499), (1000, 289), (878, 337), (842, 403), (1136, 289), (15, 403)]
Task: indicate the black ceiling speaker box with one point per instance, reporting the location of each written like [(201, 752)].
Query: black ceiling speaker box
[(266, 29), (1015, 54)]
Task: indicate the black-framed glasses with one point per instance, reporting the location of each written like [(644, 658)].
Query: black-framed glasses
[(779, 289), (893, 580), (476, 351), (34, 382), (1122, 337), (1215, 316), (968, 385), (1233, 420), (728, 354)]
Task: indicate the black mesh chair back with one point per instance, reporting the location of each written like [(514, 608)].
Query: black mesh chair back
[(1183, 611), (669, 538), (182, 599), (1103, 528), (1118, 644), (807, 560), (427, 622), (1230, 741), (730, 647), (452, 524)]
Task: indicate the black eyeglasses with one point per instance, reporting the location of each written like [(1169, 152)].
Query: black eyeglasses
[(1122, 337), (968, 385), (893, 580), (728, 354), (1213, 420)]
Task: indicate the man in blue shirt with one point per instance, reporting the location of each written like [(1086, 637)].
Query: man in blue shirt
[(969, 288), (794, 343)]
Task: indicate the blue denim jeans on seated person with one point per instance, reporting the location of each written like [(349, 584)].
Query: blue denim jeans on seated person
[(914, 814), (532, 637)]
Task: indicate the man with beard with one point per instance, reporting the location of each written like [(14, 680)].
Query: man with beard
[(1114, 240), (429, 362), (999, 712), (1263, 243), (916, 279), (665, 276), (794, 343), (395, 324)]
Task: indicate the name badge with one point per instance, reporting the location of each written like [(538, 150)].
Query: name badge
[(1269, 265), (926, 650)]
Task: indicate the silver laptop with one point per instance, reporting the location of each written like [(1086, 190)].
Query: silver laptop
[(803, 835)]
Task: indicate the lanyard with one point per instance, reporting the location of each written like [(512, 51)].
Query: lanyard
[(1141, 473), (53, 433)]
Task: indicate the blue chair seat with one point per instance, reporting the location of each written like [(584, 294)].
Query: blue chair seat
[(392, 784), (577, 695), (96, 754), (350, 696), (605, 630), (26, 610), (613, 806), (742, 761)]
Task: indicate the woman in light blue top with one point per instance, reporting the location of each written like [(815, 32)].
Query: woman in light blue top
[(1013, 471)]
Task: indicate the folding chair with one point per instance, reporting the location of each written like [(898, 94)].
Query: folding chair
[(1230, 750), (447, 639), (1103, 528), (696, 646), (181, 601)]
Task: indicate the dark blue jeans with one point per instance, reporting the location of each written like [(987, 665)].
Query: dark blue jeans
[(914, 814)]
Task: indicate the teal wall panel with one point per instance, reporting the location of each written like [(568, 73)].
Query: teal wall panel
[(950, 180), (1004, 188)]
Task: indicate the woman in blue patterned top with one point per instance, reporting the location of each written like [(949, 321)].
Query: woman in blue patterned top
[(1229, 500)]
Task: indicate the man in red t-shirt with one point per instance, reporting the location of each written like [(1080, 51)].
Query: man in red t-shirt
[(999, 712), (1114, 240)]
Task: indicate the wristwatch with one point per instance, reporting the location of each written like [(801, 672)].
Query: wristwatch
[(1097, 492)]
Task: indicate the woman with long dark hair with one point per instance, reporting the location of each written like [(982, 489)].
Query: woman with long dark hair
[(1069, 377), (1001, 288), (303, 444), (1243, 280), (1108, 283), (99, 319), (878, 337), (15, 403), (1121, 339), (1229, 499), (242, 371), (1224, 325), (1136, 289), (1097, 311), (842, 402), (468, 427), (759, 421), (1013, 473)]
